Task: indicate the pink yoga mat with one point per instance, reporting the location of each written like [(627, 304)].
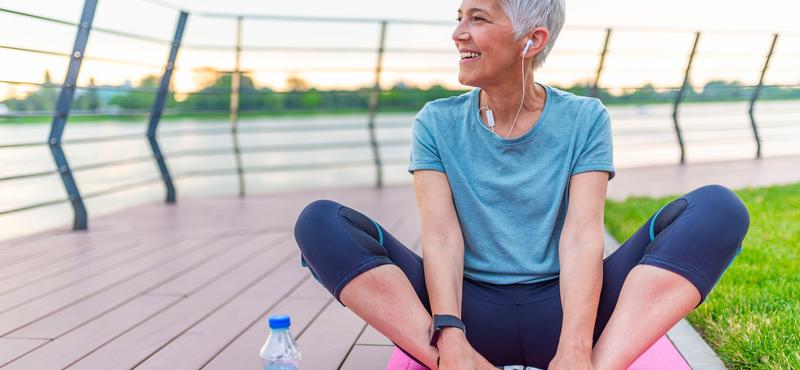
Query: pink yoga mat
[(661, 356)]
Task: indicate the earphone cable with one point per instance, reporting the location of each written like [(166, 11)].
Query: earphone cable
[(523, 96)]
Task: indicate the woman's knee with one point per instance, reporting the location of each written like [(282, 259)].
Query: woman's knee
[(707, 227), (314, 223), (720, 204), (327, 230), (718, 225)]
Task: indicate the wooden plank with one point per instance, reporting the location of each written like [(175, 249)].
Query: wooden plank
[(62, 321), (12, 256), (327, 341), (14, 348), (93, 256), (215, 224), (372, 337), (198, 277), (200, 233), (35, 309), (188, 228), (18, 297), (243, 352), (135, 346), (49, 239), (44, 258), (310, 289), (368, 358), (62, 352), (233, 231), (70, 241), (198, 345)]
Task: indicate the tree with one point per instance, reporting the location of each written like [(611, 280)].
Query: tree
[(89, 99), (296, 83), (205, 77), (721, 90), (140, 100)]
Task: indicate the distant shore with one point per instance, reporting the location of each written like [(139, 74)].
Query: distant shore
[(309, 111)]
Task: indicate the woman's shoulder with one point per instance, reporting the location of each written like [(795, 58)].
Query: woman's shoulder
[(577, 112)]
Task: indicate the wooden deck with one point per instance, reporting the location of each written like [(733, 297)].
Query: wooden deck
[(185, 287), (192, 286)]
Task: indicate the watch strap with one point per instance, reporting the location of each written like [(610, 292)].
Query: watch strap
[(444, 321)]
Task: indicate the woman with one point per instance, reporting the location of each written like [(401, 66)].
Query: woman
[(511, 181)]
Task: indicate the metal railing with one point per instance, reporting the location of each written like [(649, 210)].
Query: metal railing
[(160, 94)]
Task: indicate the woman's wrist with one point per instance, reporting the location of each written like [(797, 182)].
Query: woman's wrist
[(575, 345), (453, 346), (451, 336), (578, 336)]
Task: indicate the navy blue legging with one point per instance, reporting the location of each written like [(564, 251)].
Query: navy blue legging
[(696, 236)]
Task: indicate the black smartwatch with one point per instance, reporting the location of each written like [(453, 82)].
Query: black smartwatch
[(444, 321)]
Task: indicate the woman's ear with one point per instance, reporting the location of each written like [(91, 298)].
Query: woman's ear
[(540, 36)]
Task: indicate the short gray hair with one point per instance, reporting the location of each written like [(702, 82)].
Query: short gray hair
[(525, 15)]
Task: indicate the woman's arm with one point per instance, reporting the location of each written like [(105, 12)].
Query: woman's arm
[(442, 242), (443, 252), (581, 258)]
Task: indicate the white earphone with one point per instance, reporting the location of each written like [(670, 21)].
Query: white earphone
[(527, 45)]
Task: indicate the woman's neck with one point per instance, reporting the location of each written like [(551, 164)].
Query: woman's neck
[(504, 101)]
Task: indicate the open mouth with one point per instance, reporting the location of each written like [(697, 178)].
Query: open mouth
[(469, 55)]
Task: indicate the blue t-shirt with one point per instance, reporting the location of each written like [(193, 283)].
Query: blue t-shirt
[(511, 195)]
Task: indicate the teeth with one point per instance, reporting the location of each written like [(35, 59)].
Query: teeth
[(469, 55)]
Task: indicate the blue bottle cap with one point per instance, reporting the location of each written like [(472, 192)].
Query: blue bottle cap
[(279, 322)]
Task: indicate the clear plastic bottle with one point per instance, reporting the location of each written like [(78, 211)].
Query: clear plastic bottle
[(280, 352)]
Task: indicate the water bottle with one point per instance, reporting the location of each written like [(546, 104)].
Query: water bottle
[(280, 352)]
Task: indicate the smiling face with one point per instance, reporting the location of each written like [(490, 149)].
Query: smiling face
[(485, 40)]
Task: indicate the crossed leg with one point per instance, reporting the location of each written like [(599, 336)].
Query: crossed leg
[(640, 306), (651, 302), (384, 298)]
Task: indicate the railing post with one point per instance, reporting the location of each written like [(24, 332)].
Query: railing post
[(755, 95), (235, 89), (158, 108), (602, 62), (680, 96), (373, 107), (63, 106)]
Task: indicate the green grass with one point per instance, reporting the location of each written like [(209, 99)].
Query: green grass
[(752, 317)]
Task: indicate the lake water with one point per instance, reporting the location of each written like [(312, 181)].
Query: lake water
[(643, 136)]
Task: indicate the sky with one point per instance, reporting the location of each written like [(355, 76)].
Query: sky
[(736, 38)]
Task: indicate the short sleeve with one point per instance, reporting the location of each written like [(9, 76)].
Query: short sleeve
[(597, 154), (424, 153)]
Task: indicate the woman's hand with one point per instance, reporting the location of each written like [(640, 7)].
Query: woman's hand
[(571, 360), (455, 352)]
